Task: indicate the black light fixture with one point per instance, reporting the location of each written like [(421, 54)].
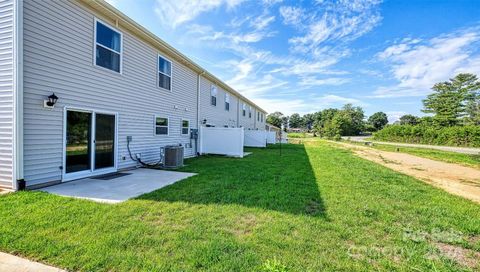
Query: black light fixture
[(52, 99), (204, 121)]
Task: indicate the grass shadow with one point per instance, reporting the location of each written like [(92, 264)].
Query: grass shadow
[(277, 178)]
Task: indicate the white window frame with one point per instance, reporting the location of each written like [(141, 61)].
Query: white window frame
[(95, 21), (158, 72), (244, 110), (212, 87), (250, 112), (155, 125), (188, 128), (227, 101)]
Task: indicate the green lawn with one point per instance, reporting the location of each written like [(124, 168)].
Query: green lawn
[(314, 208), (439, 155)]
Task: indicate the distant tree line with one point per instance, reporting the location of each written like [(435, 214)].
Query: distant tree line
[(454, 103), (454, 108), (331, 123)]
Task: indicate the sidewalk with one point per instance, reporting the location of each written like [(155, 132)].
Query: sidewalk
[(13, 263)]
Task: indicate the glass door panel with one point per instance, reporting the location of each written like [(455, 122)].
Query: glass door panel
[(104, 141), (78, 153)]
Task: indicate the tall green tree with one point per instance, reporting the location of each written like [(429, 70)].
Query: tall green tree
[(295, 121), (472, 107), (275, 119), (473, 111), (409, 119), (378, 120), (308, 120), (353, 122), (449, 99)]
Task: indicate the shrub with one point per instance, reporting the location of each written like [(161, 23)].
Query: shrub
[(297, 135), (433, 135)]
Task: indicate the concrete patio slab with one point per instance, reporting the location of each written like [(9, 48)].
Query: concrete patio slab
[(119, 189), (13, 263)]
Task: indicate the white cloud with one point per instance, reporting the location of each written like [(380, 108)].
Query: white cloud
[(305, 105), (471, 66), (262, 22), (339, 22), (394, 116), (176, 12), (314, 81), (417, 66), (291, 15), (271, 2), (285, 80)]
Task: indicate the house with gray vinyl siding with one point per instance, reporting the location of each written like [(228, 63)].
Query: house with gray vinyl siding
[(113, 80)]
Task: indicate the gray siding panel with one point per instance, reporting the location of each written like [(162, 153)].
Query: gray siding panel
[(58, 57), (6, 92), (217, 115), (245, 121)]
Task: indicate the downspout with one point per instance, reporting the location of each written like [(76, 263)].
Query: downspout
[(198, 111), (17, 96), (238, 112)]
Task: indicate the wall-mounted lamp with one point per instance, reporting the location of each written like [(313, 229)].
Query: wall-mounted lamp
[(204, 121), (52, 100)]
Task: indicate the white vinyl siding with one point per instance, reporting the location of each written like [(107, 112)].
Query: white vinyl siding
[(227, 102), (185, 127), (217, 116), (161, 125), (243, 115), (108, 47), (213, 95), (6, 94), (164, 73), (58, 58)]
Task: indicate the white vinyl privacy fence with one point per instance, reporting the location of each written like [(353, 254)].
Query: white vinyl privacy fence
[(271, 137), (221, 141), (255, 138)]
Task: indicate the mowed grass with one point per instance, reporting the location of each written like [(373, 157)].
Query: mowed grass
[(315, 207), (469, 160)]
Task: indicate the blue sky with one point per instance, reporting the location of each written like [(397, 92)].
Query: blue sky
[(304, 56)]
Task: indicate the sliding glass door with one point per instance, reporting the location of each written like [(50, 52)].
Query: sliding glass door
[(104, 141), (89, 143), (79, 137)]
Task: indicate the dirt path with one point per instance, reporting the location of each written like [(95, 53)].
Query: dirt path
[(455, 179), (464, 150)]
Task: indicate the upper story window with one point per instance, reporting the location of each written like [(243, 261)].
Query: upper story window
[(244, 109), (250, 112), (258, 116), (108, 47), (261, 117), (227, 102), (185, 127), (164, 73), (213, 95), (161, 125)]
